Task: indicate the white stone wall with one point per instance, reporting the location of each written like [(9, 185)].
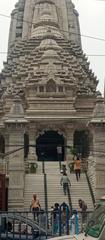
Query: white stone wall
[(99, 158), (16, 167)]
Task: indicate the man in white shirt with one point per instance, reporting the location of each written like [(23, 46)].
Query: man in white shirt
[(65, 181)]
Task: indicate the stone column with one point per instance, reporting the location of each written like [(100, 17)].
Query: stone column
[(32, 157), (70, 133), (98, 126), (16, 166), (99, 156), (15, 125)]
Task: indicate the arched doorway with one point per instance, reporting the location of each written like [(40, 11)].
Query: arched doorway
[(81, 143), (50, 146)]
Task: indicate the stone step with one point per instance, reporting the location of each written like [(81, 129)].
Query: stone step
[(52, 167)]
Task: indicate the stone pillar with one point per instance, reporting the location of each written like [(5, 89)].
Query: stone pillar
[(32, 141), (97, 124), (15, 125), (99, 156), (70, 133), (16, 166)]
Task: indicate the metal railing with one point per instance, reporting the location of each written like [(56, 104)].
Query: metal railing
[(90, 188), (45, 192), (29, 225)]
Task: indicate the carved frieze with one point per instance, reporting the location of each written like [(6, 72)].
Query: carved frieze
[(51, 126)]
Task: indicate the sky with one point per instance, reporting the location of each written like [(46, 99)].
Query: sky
[(92, 23)]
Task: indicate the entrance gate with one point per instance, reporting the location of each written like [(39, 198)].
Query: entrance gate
[(50, 146)]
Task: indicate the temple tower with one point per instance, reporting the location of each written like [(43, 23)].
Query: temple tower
[(48, 71)]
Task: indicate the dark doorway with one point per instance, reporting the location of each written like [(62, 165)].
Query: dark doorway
[(50, 146), (2, 193), (26, 145), (2, 144), (81, 143)]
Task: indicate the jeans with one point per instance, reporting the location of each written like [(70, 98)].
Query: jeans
[(65, 188)]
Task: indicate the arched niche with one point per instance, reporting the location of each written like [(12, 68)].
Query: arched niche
[(51, 86), (2, 144), (50, 146), (82, 142)]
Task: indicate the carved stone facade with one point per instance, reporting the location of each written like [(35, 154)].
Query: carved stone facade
[(46, 84)]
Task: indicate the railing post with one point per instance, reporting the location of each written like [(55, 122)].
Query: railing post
[(43, 167)]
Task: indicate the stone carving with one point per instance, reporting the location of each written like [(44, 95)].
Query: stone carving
[(43, 128)]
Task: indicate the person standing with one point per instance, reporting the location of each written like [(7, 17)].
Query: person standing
[(77, 168), (74, 223), (35, 206), (65, 181), (55, 215), (83, 207)]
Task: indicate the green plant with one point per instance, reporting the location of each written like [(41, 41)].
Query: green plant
[(33, 167), (73, 151)]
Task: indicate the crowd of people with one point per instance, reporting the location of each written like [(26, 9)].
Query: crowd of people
[(60, 214)]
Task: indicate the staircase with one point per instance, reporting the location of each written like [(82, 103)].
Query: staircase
[(34, 183), (54, 189)]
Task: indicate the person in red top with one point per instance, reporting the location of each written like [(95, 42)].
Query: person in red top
[(77, 168)]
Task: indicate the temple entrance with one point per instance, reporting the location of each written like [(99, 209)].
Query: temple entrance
[(50, 146)]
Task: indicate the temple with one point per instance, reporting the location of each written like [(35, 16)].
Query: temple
[(49, 103)]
